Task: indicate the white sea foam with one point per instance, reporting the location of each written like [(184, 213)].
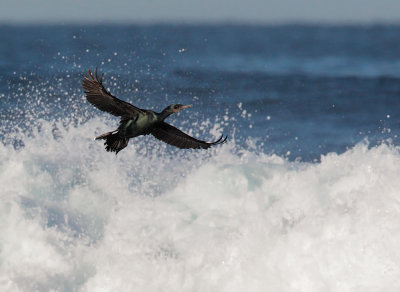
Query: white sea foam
[(75, 218)]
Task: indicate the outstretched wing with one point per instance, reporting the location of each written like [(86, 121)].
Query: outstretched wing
[(171, 135), (97, 95)]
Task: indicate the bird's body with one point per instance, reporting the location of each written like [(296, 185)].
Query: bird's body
[(141, 125), (135, 121)]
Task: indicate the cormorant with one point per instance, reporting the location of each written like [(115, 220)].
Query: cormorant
[(135, 121)]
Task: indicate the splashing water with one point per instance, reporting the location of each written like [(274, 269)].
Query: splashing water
[(75, 218)]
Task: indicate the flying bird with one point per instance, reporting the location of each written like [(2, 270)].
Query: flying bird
[(135, 121)]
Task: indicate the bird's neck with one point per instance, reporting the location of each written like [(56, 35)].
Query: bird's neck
[(164, 114)]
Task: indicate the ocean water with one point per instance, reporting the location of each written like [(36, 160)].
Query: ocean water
[(304, 196)]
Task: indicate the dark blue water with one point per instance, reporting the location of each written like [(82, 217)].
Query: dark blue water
[(299, 91)]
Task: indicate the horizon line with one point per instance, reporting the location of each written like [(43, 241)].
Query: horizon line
[(200, 23)]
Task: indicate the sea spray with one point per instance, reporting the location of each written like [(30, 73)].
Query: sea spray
[(75, 218)]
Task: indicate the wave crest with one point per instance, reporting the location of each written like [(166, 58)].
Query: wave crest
[(74, 217)]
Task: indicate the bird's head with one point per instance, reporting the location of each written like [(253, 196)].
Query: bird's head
[(174, 108)]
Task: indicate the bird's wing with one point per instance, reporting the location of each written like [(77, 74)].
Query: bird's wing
[(97, 95), (171, 135)]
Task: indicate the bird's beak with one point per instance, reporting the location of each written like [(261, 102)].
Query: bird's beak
[(185, 106)]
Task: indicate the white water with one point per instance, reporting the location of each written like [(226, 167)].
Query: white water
[(75, 218)]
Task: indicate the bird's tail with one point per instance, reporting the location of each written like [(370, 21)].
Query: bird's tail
[(113, 141)]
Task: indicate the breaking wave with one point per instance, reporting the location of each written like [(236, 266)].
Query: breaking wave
[(76, 218)]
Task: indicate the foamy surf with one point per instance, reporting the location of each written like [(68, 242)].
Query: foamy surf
[(75, 218)]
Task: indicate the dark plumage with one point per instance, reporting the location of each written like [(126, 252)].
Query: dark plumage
[(136, 121)]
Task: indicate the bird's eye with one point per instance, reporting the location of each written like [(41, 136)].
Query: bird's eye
[(176, 106)]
